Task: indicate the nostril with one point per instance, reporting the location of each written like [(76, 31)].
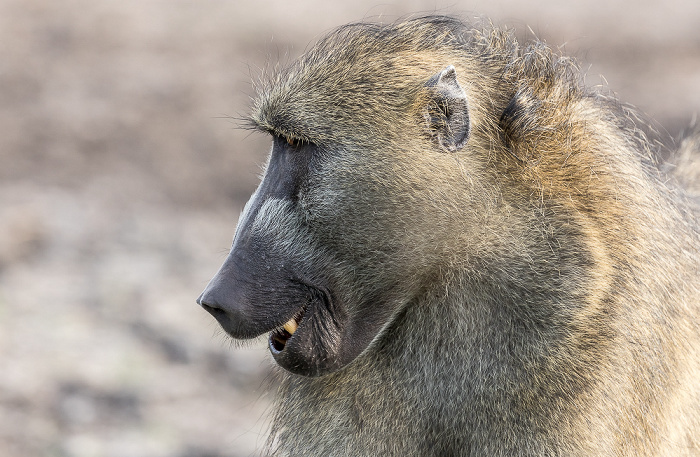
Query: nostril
[(216, 312), (207, 302), (223, 300)]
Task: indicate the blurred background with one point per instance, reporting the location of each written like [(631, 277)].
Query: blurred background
[(122, 175)]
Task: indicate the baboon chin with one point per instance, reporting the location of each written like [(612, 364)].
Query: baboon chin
[(459, 249)]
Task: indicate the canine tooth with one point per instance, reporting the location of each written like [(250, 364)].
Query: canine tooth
[(291, 326)]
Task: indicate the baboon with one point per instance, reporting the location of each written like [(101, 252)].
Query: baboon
[(458, 249)]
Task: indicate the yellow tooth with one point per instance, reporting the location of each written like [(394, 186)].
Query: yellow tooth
[(291, 326)]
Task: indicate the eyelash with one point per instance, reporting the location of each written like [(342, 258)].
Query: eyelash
[(293, 142)]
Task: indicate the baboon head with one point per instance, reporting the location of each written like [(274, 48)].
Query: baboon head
[(370, 139)]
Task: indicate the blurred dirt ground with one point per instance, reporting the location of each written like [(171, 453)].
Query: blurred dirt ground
[(122, 175)]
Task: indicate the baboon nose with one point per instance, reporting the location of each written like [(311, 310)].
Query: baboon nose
[(224, 306), (207, 300)]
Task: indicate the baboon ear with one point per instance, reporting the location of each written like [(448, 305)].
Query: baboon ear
[(447, 110)]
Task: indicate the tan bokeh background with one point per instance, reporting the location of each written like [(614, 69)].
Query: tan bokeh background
[(122, 175)]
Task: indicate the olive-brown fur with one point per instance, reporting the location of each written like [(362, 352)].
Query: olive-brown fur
[(541, 284)]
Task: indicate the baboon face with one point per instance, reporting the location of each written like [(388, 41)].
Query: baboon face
[(346, 225)]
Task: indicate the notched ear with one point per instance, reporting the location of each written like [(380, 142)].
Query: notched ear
[(447, 111)]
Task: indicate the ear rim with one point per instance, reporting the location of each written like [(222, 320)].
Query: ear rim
[(446, 113)]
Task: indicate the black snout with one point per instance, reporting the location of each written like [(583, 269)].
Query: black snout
[(255, 286)]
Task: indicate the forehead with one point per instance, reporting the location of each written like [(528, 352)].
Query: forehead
[(357, 78)]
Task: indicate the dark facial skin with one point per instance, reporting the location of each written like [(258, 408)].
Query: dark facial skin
[(256, 288)]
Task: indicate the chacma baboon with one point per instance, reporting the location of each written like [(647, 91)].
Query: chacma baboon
[(458, 249)]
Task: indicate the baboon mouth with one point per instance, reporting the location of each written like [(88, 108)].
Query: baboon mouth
[(311, 342), (279, 336)]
